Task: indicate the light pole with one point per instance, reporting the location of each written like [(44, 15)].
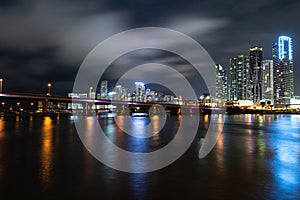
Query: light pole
[(3, 104), (1, 87), (49, 86)]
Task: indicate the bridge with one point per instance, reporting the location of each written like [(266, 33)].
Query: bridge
[(125, 107), (44, 99)]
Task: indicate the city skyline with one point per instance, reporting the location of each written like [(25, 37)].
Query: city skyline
[(38, 47), (145, 99), (259, 73)]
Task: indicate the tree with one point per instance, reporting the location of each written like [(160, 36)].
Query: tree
[(269, 104), (262, 104)]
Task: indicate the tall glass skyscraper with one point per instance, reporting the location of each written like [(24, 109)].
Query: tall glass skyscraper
[(283, 69), (256, 73), (221, 83), (240, 86), (268, 81), (139, 91), (103, 89)]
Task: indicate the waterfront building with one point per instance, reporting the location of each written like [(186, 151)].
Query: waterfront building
[(92, 94), (139, 91), (256, 74), (75, 106), (78, 95), (103, 89), (268, 81), (240, 87), (118, 92), (295, 102), (282, 55), (221, 83)]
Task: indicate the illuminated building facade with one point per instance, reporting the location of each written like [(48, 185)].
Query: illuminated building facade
[(240, 87), (103, 89), (139, 91), (221, 83), (268, 81), (282, 54), (256, 74)]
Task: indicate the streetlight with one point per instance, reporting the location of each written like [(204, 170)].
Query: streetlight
[(3, 104), (1, 82), (49, 86), (18, 105)]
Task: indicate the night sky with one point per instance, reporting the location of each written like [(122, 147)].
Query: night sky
[(46, 41)]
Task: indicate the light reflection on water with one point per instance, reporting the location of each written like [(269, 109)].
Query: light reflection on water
[(274, 141), (139, 184), (2, 130), (286, 146), (256, 156), (46, 150), (2, 136)]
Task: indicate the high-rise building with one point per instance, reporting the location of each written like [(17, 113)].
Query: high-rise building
[(92, 94), (118, 90), (103, 89), (283, 69), (256, 74), (139, 91), (240, 88), (268, 81), (221, 83)]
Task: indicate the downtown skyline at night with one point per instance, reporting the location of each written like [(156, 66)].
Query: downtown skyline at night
[(46, 41), (149, 99)]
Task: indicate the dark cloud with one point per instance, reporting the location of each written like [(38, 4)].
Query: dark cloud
[(45, 41), (138, 58)]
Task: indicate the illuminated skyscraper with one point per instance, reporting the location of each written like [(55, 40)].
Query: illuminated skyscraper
[(256, 74), (118, 92), (240, 87), (103, 89), (139, 91), (221, 83), (283, 69), (268, 81)]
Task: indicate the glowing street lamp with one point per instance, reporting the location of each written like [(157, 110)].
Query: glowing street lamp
[(49, 87)]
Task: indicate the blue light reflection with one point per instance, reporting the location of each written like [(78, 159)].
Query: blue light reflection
[(286, 164)]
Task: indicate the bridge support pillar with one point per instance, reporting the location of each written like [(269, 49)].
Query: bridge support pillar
[(87, 108), (84, 108), (45, 106)]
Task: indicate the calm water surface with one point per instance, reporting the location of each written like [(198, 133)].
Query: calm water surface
[(256, 157)]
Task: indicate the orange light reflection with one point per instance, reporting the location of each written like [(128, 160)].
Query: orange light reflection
[(46, 151)]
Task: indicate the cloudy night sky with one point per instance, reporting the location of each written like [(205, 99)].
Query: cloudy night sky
[(45, 41)]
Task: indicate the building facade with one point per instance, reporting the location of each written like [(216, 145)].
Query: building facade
[(139, 91), (268, 81), (221, 83), (240, 87), (256, 74), (282, 54), (103, 89)]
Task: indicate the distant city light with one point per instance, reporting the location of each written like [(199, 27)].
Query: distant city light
[(139, 83)]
